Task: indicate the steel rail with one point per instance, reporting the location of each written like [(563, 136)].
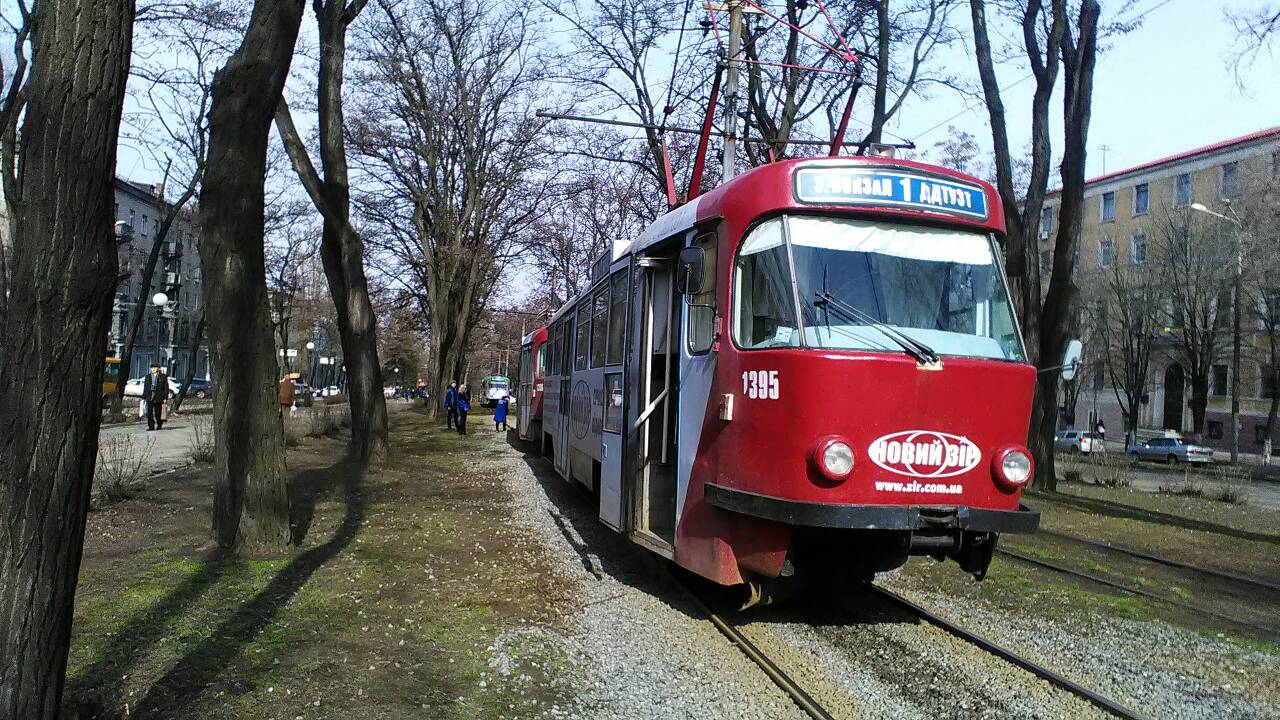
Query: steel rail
[(1249, 580), (1039, 671), (1132, 590), (802, 699)]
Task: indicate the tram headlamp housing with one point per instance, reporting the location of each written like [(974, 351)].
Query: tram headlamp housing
[(833, 457), (1013, 467)]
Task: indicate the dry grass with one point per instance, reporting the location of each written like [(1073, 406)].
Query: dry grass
[(122, 465), (202, 440)]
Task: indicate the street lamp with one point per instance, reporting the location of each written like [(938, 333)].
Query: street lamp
[(1235, 325), (160, 300), (311, 365)]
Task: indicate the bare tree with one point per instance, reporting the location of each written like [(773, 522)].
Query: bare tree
[(54, 318), (342, 248), (1124, 326), (1256, 30), (1193, 261), (449, 147), (251, 503)]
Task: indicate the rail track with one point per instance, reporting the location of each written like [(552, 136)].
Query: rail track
[(815, 710), (1152, 557), (1091, 577)]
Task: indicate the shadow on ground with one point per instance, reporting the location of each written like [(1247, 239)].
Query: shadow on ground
[(173, 695)]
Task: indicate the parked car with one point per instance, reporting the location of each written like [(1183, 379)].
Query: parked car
[(331, 391), (1078, 441), (133, 388), (1172, 450), (200, 389), (388, 392)]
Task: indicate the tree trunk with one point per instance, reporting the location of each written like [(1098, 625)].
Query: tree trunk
[(196, 339), (55, 327), (251, 503), (342, 249), (1199, 401), (878, 112)]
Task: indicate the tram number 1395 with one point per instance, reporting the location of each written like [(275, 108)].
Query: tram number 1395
[(760, 384)]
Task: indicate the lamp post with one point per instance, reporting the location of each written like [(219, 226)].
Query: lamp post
[(1235, 325), (311, 369), (159, 300)]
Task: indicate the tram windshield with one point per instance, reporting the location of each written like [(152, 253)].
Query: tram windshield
[(866, 285)]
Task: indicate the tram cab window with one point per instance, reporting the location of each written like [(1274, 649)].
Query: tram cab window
[(599, 326), (702, 307), (940, 286), (765, 316), (542, 361), (583, 336)]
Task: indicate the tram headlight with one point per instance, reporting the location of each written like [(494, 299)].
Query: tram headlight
[(1013, 466), (834, 458)]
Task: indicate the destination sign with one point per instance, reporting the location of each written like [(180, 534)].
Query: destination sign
[(894, 188)]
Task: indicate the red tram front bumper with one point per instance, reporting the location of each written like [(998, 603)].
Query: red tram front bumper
[(871, 517)]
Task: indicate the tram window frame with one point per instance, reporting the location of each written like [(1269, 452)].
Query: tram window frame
[(582, 335), (700, 325), (599, 325), (617, 334)]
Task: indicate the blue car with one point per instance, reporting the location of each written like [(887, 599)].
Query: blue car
[(1172, 451)]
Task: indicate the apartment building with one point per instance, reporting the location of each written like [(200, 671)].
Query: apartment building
[(166, 332), (1125, 214)]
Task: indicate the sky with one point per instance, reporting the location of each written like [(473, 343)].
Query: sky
[(1162, 89)]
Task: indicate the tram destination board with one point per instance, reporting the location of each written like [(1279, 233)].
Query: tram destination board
[(893, 188)]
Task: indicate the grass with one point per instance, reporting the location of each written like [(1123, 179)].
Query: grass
[(397, 618)]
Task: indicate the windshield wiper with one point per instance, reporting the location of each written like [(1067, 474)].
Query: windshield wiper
[(913, 347)]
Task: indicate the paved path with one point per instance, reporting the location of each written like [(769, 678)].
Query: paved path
[(172, 447)]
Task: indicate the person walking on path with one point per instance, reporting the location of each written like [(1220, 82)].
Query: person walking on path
[(462, 402), (451, 403), (500, 415), (155, 391)]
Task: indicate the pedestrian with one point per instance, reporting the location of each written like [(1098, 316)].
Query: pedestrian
[(463, 404), (1101, 430), (155, 391), (451, 403), (500, 415)]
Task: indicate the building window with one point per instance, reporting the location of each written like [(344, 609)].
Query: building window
[(1182, 190), (1268, 382), (1099, 377), (1046, 221), (1139, 249), (1106, 252), (1219, 380), (1108, 206), (1259, 433), (1215, 429), (1230, 179), (1141, 198), (1275, 164)]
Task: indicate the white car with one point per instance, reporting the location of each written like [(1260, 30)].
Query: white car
[(388, 392), (133, 388), (1078, 441), (331, 391)]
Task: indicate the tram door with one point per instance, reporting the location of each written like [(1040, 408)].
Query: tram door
[(524, 401), (654, 387), (561, 437)]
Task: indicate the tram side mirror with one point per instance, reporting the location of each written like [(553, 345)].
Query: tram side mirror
[(1071, 360), (689, 270)]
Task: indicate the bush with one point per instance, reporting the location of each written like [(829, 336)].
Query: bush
[(202, 440), (122, 464)]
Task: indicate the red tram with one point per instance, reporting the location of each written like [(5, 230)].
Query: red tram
[(529, 382), (813, 369)]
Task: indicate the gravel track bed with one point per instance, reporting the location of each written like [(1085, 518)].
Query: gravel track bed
[(1152, 668), (897, 668), (634, 647)]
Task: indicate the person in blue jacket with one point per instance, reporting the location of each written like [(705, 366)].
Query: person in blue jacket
[(462, 405), (500, 415), (451, 403)]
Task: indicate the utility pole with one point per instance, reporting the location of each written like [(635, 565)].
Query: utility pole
[(731, 90), (1235, 353)]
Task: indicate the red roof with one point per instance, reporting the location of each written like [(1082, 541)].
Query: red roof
[(1214, 147)]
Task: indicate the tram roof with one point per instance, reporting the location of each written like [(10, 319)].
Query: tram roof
[(774, 187)]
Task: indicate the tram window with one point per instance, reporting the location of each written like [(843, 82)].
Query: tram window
[(613, 403), (584, 328), (617, 317), (765, 316), (702, 307), (542, 361), (599, 326)]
